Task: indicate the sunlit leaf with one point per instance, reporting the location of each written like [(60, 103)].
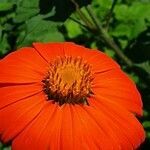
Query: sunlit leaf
[(4, 6)]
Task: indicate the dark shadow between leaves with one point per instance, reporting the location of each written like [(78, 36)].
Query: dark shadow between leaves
[(63, 8)]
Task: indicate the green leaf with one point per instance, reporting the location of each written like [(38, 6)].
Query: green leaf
[(7, 148), (4, 45), (26, 9), (132, 20), (121, 12), (146, 124), (145, 66), (73, 28), (134, 77), (5, 6), (101, 8), (109, 52), (3, 147), (38, 30), (121, 30)]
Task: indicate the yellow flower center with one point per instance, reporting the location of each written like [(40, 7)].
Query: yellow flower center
[(68, 80)]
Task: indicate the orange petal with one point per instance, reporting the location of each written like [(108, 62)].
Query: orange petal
[(17, 116), (36, 135), (43, 133), (74, 50), (12, 94), (115, 136), (49, 51), (48, 131), (73, 131), (126, 122), (116, 87), (100, 62), (87, 126), (23, 66), (67, 129), (88, 132)]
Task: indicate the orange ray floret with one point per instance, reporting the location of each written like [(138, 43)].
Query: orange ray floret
[(62, 96)]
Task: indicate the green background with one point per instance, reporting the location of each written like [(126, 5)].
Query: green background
[(120, 28)]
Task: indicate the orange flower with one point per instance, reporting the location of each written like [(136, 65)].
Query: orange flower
[(62, 96)]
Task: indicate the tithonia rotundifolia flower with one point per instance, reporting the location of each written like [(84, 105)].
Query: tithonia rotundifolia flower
[(62, 96)]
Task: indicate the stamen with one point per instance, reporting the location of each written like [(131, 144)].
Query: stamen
[(68, 80)]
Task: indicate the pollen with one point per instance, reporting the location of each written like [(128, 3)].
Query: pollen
[(68, 80)]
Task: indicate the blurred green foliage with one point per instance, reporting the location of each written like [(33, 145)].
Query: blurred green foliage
[(127, 22)]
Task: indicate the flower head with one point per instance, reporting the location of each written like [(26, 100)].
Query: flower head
[(62, 96)]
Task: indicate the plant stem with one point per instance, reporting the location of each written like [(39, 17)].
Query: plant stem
[(102, 31), (108, 38), (82, 15), (109, 15), (104, 35), (78, 22)]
